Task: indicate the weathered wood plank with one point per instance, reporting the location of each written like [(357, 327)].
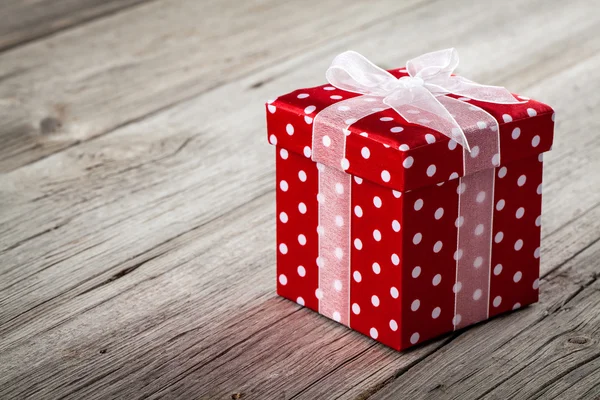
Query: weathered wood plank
[(91, 79), (25, 20), (151, 266)]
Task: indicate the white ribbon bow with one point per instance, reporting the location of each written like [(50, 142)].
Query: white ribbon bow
[(421, 97)]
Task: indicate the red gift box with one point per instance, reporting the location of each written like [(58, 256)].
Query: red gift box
[(403, 235)]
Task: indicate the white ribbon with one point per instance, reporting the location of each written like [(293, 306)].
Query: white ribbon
[(419, 98)]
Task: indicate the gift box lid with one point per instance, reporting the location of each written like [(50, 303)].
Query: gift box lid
[(386, 149)]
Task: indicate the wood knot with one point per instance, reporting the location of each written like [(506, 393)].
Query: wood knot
[(237, 396), (103, 351), (578, 340), (50, 125)]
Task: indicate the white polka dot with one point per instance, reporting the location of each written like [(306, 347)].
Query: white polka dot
[(431, 170), (507, 118), (457, 287), (283, 185), (516, 306), (416, 272), (536, 253), (394, 292), (474, 151), (535, 141), (376, 268), (538, 221), (539, 189), (480, 197), (302, 95), (439, 213), (302, 176), (337, 285), (502, 172), (326, 141), (452, 144), (336, 316), (477, 294), (385, 176), (319, 293), (417, 238), (345, 164), (308, 119), (343, 108), (516, 133), (273, 139), (396, 226), (395, 259), (531, 112), (415, 305), (377, 235), (302, 208), (309, 109), (377, 201), (339, 221), (386, 119), (335, 97), (536, 284), (396, 194), (459, 221), (518, 245), (339, 188), (320, 167), (521, 180), (497, 301), (328, 88), (272, 108), (436, 280), (358, 211), (300, 301), (478, 262), (418, 204), (520, 212), (355, 308), (350, 121), (408, 162), (517, 277), (375, 300), (357, 276), (436, 312), (301, 271), (320, 262), (456, 319), (283, 217), (289, 128), (458, 254), (461, 188), (500, 204), (320, 230), (499, 236), (496, 160), (307, 152), (339, 253), (437, 247), (429, 138), (283, 248), (541, 157), (481, 125), (365, 152), (302, 239), (373, 332), (479, 230), (414, 338), (453, 175), (283, 279), (393, 325), (320, 198), (403, 147), (397, 129), (358, 180), (498, 269), (357, 244)]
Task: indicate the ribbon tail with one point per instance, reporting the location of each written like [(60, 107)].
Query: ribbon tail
[(491, 94), (419, 106)]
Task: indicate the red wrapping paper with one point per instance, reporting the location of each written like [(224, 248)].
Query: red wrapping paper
[(404, 272)]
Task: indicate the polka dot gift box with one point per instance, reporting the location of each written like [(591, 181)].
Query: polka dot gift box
[(409, 200)]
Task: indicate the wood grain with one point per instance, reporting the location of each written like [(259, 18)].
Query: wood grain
[(138, 259), (22, 21)]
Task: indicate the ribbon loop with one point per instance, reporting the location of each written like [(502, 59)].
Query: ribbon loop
[(414, 97)]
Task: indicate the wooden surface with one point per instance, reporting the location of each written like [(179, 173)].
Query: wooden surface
[(137, 242)]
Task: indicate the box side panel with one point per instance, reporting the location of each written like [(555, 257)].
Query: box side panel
[(297, 219), (429, 267), (516, 237), (376, 240)]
